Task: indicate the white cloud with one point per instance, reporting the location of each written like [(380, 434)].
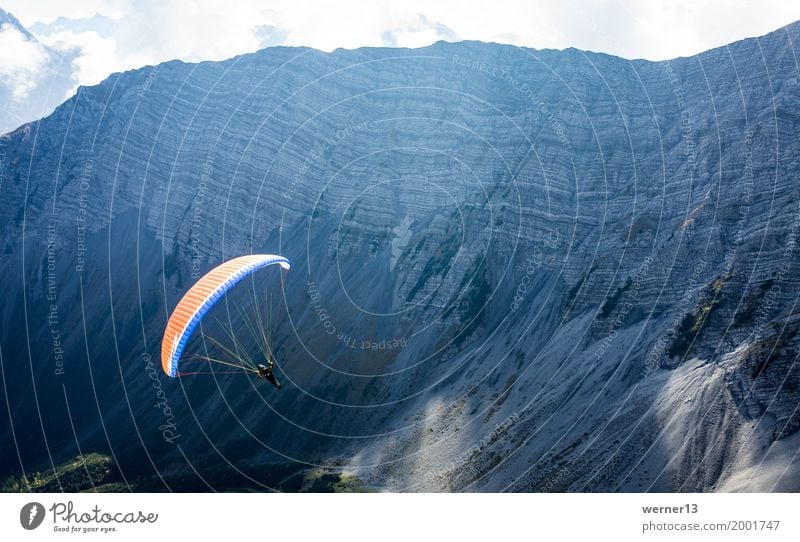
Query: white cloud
[(208, 30), (152, 31), (661, 29), (95, 57), (28, 12), (21, 62)]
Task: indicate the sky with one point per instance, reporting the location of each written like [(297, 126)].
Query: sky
[(134, 33)]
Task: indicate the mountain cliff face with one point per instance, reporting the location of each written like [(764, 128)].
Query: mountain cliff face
[(512, 269)]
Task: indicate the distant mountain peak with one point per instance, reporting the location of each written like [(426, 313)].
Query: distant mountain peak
[(35, 80), (7, 18), (98, 23)]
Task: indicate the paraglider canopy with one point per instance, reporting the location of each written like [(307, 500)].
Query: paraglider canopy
[(201, 297)]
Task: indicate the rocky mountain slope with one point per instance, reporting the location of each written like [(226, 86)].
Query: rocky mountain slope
[(513, 270)]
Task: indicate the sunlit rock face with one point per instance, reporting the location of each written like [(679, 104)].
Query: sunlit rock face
[(511, 269)]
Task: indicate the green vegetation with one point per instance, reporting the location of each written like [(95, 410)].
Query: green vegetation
[(83, 473), (320, 481), (692, 323), (96, 472)]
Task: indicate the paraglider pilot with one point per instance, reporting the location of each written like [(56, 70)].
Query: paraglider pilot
[(266, 372)]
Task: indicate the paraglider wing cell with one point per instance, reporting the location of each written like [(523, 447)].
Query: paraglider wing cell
[(201, 297)]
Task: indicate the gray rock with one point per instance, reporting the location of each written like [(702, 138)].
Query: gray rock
[(545, 270)]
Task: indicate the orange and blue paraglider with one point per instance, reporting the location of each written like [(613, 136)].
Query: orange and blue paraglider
[(201, 297)]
